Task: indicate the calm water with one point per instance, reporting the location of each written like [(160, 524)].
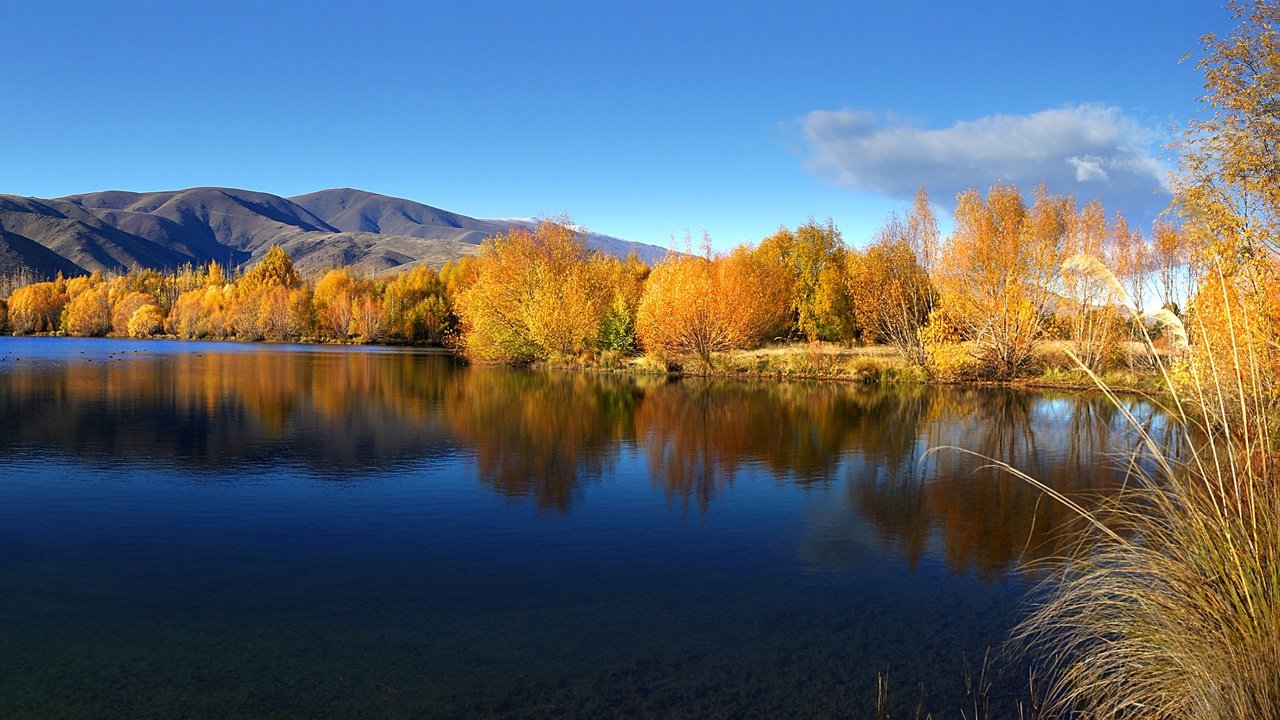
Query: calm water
[(193, 530)]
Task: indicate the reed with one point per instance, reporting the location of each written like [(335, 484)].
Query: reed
[(1171, 609)]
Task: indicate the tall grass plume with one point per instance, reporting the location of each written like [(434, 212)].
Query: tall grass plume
[(1172, 608)]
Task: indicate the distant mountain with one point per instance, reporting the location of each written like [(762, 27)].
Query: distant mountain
[(351, 210), (116, 230)]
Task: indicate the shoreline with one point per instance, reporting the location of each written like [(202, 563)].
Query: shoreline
[(874, 365)]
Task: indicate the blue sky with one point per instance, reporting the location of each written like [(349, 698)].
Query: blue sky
[(638, 119)]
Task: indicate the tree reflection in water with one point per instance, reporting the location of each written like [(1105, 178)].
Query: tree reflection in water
[(547, 436)]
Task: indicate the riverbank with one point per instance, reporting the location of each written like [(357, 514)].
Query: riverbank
[(870, 364), (824, 362)]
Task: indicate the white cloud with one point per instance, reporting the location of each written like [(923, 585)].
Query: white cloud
[(1089, 150)]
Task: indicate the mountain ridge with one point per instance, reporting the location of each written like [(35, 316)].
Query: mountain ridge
[(114, 230)]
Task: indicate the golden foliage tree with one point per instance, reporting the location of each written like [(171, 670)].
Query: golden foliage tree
[(124, 309), (1090, 294), (809, 264), (275, 269), (88, 314), (890, 291), (1171, 259), (624, 281), (332, 299), (694, 306), (996, 270), (1229, 184), (536, 295), (146, 321), (415, 306), (199, 313), (37, 308)]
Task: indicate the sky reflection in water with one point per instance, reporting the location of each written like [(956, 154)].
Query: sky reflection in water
[(219, 530)]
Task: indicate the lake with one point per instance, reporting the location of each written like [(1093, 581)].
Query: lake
[(219, 530)]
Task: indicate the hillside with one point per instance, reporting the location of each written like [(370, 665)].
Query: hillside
[(116, 230)]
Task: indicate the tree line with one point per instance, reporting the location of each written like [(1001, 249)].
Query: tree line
[(979, 303)]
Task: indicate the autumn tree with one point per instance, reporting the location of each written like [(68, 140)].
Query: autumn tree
[(535, 296), (995, 273), (1131, 259), (1089, 290), (891, 293), (332, 299), (124, 309), (809, 264), (416, 307), (37, 308), (1228, 185), (146, 321), (368, 317), (697, 305), (88, 314), (199, 313), (275, 269), (624, 282), (921, 231)]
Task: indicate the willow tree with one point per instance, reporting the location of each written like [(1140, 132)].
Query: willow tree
[(1091, 320), (996, 272), (1228, 185), (809, 265), (536, 295), (697, 305), (890, 290)]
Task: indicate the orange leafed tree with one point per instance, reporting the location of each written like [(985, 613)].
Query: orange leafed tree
[(124, 309), (146, 321), (535, 296), (995, 273), (891, 292), (694, 306), (36, 308), (88, 314), (332, 299)]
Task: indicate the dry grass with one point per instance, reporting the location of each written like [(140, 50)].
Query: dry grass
[(1172, 609)]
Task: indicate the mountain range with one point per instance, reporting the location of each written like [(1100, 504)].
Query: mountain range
[(116, 230)]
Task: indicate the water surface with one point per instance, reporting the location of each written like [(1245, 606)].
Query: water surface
[(211, 530)]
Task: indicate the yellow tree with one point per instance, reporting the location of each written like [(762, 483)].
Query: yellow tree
[(1090, 297), (334, 292), (368, 316), (88, 314), (694, 306), (1171, 261), (1229, 183), (891, 292), (1130, 259), (409, 317), (146, 321), (994, 275), (36, 308), (275, 269), (535, 296), (810, 265), (124, 309), (922, 234), (1228, 187), (624, 281)]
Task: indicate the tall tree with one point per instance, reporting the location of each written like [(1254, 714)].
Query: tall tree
[(994, 274), (1229, 184), (694, 306), (922, 231), (891, 292)]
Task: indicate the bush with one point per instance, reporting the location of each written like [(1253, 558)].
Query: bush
[(146, 321)]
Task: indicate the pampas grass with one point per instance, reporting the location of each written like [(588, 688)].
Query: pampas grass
[(1172, 608)]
